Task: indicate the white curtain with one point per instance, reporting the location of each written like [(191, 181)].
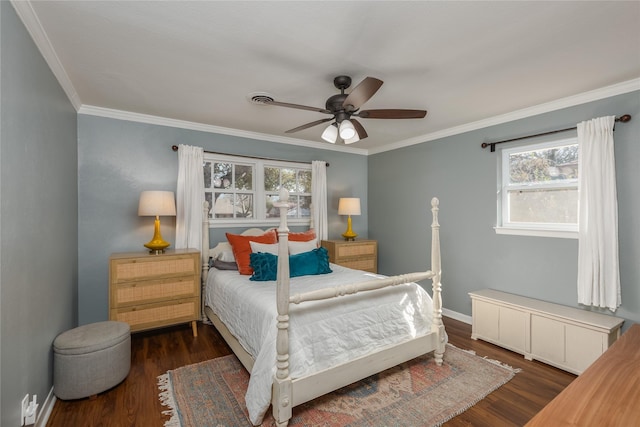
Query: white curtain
[(190, 195), (598, 271), (319, 198)]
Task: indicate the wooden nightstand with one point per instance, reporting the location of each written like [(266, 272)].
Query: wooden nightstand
[(151, 291), (358, 254)]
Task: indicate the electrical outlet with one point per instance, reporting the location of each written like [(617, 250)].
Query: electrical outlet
[(32, 411), (24, 408)]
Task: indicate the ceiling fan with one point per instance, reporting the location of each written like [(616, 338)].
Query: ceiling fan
[(345, 108)]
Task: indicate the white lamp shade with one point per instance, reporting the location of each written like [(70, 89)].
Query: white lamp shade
[(157, 203), (356, 138), (349, 206), (330, 134), (347, 131)]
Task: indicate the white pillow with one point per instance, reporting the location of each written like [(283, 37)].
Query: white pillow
[(301, 247), (270, 248), (223, 252)]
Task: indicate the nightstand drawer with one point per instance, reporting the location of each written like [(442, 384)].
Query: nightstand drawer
[(154, 290), (355, 250), (360, 264), (155, 315), (128, 270)]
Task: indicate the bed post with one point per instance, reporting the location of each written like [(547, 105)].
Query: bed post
[(204, 255), (437, 325), (281, 392)]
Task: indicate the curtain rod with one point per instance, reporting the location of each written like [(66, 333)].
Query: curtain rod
[(175, 148), (624, 119)]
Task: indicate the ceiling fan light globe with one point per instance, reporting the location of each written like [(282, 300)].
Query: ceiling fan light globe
[(347, 131), (330, 134), (356, 138)]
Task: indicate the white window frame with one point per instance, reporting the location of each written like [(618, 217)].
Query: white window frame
[(259, 194), (569, 231)]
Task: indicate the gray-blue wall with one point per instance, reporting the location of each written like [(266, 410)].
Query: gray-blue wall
[(118, 159), (464, 177), (38, 217), (69, 188)]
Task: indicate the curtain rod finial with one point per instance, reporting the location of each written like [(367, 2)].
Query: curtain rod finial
[(487, 144), (625, 118), (174, 147)]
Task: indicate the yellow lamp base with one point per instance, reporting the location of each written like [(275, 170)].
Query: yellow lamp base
[(349, 234), (157, 244)]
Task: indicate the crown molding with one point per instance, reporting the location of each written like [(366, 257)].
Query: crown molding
[(570, 101), (183, 124), (27, 15)]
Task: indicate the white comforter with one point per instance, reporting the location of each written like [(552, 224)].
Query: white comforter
[(322, 333)]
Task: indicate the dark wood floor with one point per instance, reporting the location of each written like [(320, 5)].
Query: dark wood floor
[(135, 401)]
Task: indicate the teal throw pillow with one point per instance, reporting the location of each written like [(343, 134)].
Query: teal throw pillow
[(265, 265), (309, 263)]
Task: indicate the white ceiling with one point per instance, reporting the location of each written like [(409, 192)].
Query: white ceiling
[(193, 64)]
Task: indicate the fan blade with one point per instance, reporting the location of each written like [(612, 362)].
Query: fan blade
[(298, 106), (392, 114), (362, 134), (361, 93), (308, 125)]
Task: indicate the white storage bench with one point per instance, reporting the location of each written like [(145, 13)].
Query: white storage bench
[(565, 337)]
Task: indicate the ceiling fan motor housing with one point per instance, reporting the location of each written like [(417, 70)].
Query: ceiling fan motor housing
[(334, 103)]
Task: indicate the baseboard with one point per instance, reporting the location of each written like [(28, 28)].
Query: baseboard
[(47, 408), (457, 316)]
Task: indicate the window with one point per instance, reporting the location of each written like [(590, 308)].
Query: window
[(539, 189), (297, 181), (242, 191)]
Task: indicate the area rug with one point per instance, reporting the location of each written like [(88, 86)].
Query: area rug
[(416, 393)]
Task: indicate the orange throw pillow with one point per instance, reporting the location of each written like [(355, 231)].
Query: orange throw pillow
[(242, 248), (303, 236)]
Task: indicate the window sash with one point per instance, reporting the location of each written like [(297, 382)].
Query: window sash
[(506, 188)]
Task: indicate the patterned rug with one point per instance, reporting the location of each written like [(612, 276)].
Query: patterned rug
[(416, 393)]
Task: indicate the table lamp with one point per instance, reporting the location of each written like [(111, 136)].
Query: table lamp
[(349, 206), (157, 203)]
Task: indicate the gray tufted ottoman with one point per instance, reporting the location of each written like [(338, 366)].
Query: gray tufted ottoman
[(90, 359)]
